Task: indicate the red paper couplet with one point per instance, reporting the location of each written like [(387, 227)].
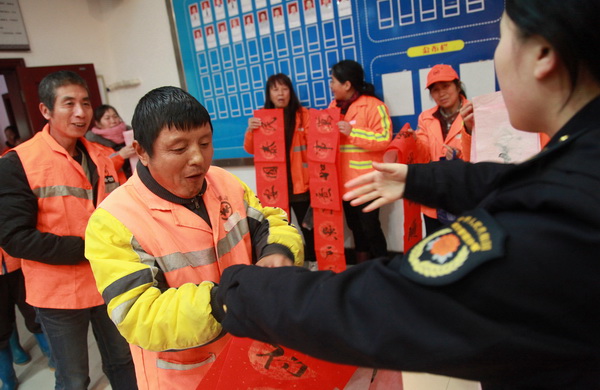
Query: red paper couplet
[(248, 364), (329, 239), (402, 149), (269, 138), (324, 186), (270, 158), (323, 139)]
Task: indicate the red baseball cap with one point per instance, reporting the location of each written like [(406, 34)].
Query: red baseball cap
[(441, 73)]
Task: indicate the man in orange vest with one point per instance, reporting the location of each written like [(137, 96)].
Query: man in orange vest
[(49, 187), (159, 243)]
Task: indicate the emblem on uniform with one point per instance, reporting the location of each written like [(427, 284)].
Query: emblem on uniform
[(109, 179), (453, 251), (225, 210)]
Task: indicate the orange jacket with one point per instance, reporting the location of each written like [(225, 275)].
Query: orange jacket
[(430, 144), (8, 263), (370, 136), (65, 203), (135, 236), (298, 159)]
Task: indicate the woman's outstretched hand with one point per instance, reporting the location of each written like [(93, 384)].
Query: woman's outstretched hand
[(382, 186)]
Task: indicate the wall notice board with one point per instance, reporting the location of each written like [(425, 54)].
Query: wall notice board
[(229, 48)]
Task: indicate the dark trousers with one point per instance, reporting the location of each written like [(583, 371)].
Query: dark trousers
[(300, 209), (67, 332), (366, 230), (12, 292)]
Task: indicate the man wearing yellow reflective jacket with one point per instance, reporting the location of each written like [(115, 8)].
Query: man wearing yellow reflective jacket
[(159, 243)]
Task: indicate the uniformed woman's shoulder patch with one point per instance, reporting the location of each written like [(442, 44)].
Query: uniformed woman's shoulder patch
[(453, 251)]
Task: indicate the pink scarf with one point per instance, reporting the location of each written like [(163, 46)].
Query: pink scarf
[(115, 134)]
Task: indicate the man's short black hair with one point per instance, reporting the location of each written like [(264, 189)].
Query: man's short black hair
[(53, 81), (169, 107)]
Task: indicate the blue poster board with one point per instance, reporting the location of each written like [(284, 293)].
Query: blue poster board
[(230, 47)]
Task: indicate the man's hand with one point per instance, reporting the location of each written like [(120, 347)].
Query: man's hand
[(275, 260), (382, 186)]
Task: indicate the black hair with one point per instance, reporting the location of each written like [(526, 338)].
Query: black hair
[(14, 130), (569, 26), (101, 110), (292, 108), (53, 81), (352, 71), (166, 107)]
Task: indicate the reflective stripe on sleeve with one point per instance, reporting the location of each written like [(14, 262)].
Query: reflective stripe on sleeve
[(52, 191), (367, 164), (165, 365), (175, 261), (299, 148), (127, 283)]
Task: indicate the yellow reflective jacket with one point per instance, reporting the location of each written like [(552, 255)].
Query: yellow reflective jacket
[(155, 263)]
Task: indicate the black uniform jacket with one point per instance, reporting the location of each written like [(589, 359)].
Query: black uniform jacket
[(508, 295)]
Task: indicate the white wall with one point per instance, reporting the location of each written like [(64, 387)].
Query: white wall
[(124, 39)]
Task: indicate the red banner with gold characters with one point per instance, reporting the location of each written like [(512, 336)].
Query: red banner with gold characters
[(323, 140), (402, 150), (270, 158), (246, 364)]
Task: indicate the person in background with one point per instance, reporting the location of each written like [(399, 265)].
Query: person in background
[(108, 131), (49, 187), (365, 132), (280, 94), (12, 292), (508, 294), (158, 244), (442, 133), (12, 138)]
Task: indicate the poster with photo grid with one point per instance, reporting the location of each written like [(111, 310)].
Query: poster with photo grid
[(230, 47)]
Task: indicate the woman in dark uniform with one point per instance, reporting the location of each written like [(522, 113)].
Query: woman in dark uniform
[(506, 295)]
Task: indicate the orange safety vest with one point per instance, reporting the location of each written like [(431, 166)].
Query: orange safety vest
[(430, 144), (371, 134), (8, 263), (298, 158), (65, 203), (167, 232)]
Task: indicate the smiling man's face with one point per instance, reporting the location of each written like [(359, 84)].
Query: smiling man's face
[(180, 159), (71, 115)]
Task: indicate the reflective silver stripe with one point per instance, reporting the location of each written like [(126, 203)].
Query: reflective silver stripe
[(117, 315), (232, 238), (127, 283), (175, 261), (145, 258), (110, 187), (351, 149), (52, 191), (184, 367), (299, 148), (255, 214)]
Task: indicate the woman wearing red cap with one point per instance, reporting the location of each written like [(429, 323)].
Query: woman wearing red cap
[(442, 132)]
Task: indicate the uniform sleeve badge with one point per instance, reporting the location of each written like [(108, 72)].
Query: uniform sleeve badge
[(455, 250)]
